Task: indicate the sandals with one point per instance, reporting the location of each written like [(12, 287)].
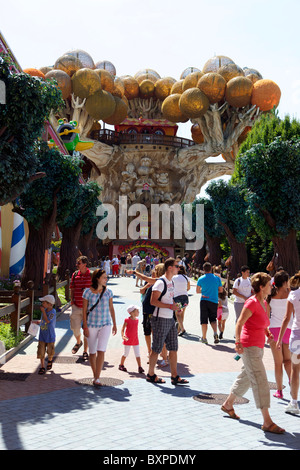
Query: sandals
[(123, 368), (76, 347), (97, 383), (273, 428), (154, 379), (230, 412), (49, 365), (178, 381), (42, 371), (85, 356)]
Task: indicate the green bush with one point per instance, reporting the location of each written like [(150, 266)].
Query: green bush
[(9, 337)]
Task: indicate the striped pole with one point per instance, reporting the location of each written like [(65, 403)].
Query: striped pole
[(18, 247)]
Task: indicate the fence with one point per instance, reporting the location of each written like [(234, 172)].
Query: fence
[(20, 303)]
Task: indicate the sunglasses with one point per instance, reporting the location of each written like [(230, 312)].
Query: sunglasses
[(176, 266)]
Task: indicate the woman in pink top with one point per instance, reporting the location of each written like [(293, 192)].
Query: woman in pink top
[(250, 333)]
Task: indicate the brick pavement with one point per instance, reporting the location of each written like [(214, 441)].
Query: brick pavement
[(61, 411)]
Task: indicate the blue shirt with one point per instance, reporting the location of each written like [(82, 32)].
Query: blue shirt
[(209, 284), (47, 330), (100, 315)]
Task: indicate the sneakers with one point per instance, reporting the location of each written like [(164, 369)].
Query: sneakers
[(204, 340), (292, 408), (278, 394)]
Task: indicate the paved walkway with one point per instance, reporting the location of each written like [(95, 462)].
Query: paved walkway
[(62, 411)]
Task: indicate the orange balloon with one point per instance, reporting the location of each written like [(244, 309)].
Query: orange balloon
[(34, 72), (266, 94)]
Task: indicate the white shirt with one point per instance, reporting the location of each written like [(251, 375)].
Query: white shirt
[(278, 309), (115, 261), (135, 260), (243, 286), (180, 284), (166, 299), (294, 298)]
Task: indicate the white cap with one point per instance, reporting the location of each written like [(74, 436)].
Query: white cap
[(133, 307), (48, 298)]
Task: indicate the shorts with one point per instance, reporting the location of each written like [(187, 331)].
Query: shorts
[(147, 324), (208, 312), (136, 350), (98, 338), (222, 314), (164, 332), (182, 299), (286, 337), (76, 320), (294, 343), (43, 347)]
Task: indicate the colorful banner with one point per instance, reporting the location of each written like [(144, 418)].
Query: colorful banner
[(144, 244)]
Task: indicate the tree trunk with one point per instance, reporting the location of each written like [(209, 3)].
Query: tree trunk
[(69, 249), (199, 257), (286, 253), (85, 241), (238, 252), (214, 249), (38, 242)]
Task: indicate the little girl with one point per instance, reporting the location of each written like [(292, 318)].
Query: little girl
[(130, 338), (222, 312)]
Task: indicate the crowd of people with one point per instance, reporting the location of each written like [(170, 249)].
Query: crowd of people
[(265, 308)]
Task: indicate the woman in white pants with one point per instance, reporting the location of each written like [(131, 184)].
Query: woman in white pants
[(98, 320)]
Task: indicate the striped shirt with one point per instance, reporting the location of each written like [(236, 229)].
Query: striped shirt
[(79, 282), (100, 315)]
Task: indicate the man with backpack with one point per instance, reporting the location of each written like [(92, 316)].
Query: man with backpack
[(242, 290), (163, 324)]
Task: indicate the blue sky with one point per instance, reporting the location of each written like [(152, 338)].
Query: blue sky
[(165, 35)]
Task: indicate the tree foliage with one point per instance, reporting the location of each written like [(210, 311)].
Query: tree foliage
[(230, 207), (60, 181), (271, 175), (29, 101)]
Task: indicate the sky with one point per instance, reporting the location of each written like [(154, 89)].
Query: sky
[(166, 35)]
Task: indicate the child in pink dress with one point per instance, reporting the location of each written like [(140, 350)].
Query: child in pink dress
[(130, 338)]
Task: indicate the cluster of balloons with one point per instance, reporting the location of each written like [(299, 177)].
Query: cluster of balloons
[(189, 97)]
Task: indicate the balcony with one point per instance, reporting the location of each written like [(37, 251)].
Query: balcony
[(114, 138)]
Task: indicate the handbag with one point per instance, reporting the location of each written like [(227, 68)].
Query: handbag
[(33, 329), (95, 305)]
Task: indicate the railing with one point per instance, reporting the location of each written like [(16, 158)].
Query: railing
[(117, 138), (20, 303)]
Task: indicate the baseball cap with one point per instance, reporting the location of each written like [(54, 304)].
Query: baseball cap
[(48, 298), (133, 307)]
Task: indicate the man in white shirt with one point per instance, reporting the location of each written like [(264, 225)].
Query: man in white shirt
[(242, 290), (163, 323)]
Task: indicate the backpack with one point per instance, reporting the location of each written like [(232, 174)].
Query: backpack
[(147, 307)]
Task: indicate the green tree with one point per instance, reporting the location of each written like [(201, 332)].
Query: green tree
[(81, 217), (29, 101), (270, 175), (43, 202), (230, 208), (265, 131)]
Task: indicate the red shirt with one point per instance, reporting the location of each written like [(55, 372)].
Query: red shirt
[(131, 332), (253, 331), (78, 284)]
